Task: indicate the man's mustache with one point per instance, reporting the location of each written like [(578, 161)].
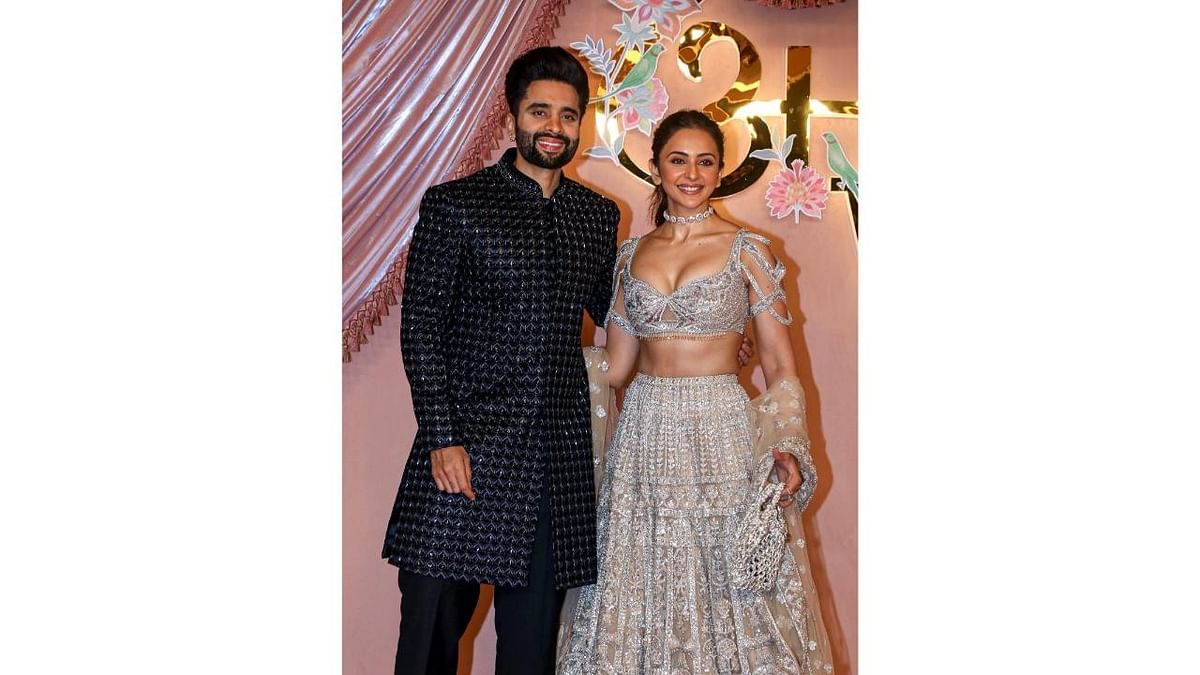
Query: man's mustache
[(551, 134)]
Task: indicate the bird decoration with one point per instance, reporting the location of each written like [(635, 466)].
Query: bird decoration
[(836, 159), (640, 74)]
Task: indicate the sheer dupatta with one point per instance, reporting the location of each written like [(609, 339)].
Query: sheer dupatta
[(602, 403), (777, 422)]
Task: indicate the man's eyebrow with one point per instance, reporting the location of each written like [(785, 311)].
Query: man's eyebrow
[(542, 105)]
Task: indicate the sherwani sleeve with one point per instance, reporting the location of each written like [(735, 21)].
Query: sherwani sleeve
[(430, 286), (602, 287)]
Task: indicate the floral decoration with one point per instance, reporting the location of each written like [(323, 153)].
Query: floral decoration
[(796, 189), (638, 100), (640, 108), (667, 14)]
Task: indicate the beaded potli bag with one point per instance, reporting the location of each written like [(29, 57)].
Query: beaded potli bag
[(760, 539)]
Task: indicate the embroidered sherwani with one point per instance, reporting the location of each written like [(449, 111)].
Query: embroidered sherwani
[(497, 282)]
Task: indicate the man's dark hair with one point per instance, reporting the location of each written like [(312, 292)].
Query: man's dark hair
[(544, 63)]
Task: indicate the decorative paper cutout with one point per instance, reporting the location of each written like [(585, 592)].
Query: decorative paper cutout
[(667, 14), (835, 157), (796, 189), (645, 30)]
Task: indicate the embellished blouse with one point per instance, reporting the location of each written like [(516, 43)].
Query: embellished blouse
[(710, 305)]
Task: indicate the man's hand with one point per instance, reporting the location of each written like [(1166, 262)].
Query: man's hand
[(746, 351), (452, 470), (788, 471)]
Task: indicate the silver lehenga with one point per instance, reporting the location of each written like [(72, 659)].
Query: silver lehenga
[(679, 467)]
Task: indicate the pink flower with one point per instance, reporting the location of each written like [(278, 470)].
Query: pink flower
[(642, 106), (797, 190), (668, 14)]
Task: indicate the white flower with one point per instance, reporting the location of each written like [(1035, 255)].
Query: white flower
[(633, 32)]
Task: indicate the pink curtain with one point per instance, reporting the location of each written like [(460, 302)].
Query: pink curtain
[(422, 102)]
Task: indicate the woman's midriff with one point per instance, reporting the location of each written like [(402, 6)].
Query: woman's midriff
[(685, 356)]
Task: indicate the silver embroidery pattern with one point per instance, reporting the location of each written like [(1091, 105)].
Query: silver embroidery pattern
[(676, 472), (709, 305)]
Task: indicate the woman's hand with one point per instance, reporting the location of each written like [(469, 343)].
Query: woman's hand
[(746, 351), (787, 468)]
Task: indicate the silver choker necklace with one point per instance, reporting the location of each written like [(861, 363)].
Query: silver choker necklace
[(688, 220)]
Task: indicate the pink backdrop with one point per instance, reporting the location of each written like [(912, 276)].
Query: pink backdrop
[(378, 423)]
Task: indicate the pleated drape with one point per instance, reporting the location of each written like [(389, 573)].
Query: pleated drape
[(422, 103)]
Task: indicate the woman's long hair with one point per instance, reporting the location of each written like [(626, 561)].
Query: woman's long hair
[(680, 119)]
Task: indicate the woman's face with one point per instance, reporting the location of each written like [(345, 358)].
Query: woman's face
[(689, 171)]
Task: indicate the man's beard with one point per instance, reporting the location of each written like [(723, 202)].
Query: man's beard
[(527, 146)]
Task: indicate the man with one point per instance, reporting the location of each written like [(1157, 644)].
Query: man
[(498, 487)]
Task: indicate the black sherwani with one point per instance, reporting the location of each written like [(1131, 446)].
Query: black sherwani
[(497, 280)]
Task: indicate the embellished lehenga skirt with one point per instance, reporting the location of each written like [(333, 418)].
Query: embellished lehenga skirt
[(676, 472)]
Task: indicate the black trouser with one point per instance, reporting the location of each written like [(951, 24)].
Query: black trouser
[(434, 613)]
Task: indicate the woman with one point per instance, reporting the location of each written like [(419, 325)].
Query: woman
[(681, 462)]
